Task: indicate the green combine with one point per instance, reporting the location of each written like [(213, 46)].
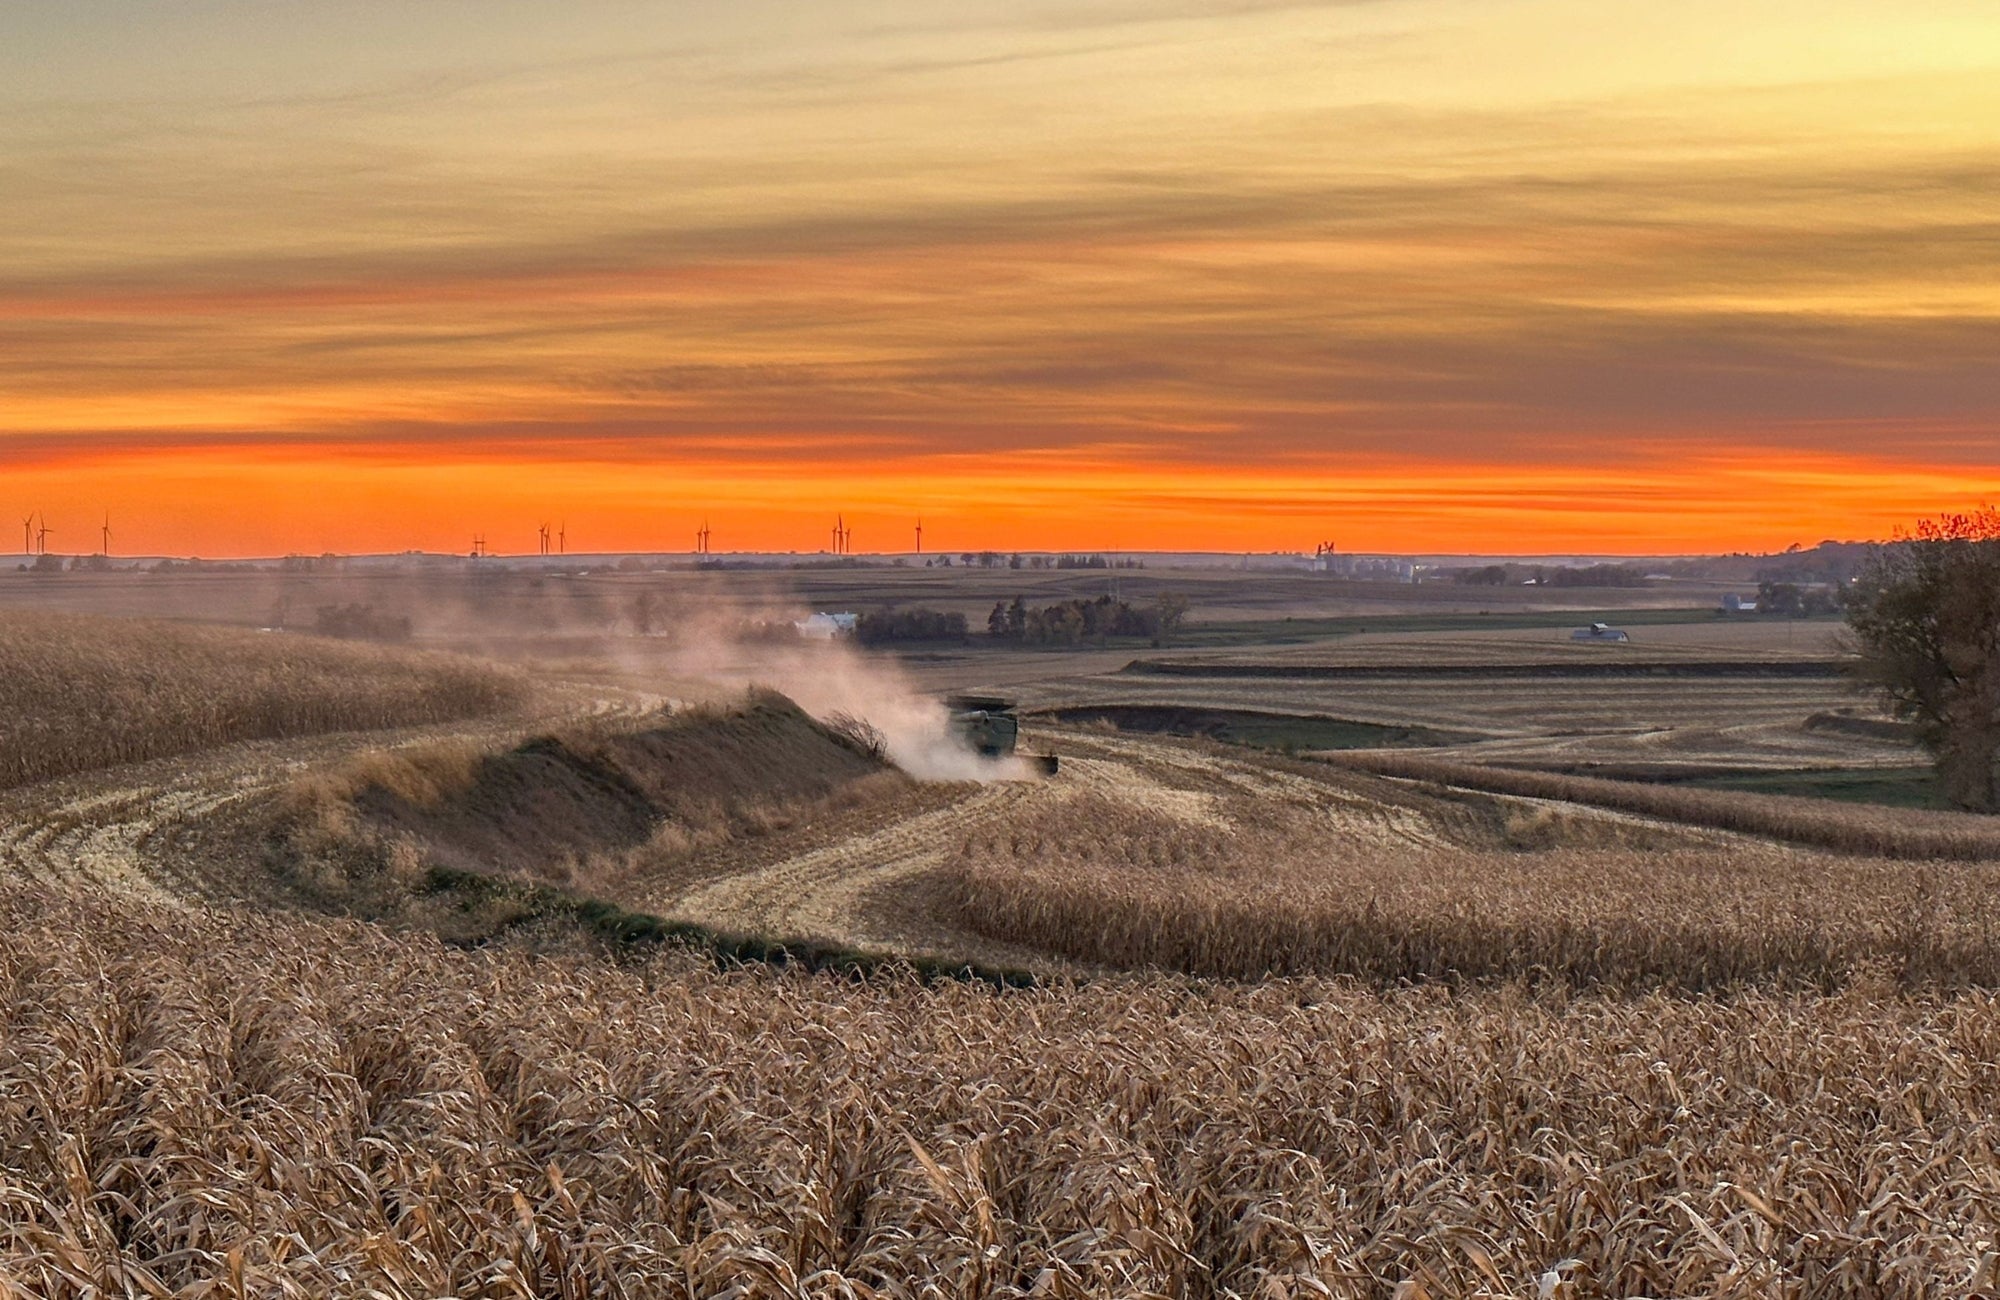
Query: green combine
[(991, 728)]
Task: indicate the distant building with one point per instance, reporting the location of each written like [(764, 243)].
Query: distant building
[(1365, 568), (1735, 604), (1599, 632), (825, 627)]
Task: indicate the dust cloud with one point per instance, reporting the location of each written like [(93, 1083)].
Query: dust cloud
[(722, 640), (829, 678)]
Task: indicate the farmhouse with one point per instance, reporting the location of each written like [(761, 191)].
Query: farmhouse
[(825, 627), (1599, 632)]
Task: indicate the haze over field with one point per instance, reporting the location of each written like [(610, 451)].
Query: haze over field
[(1495, 275)]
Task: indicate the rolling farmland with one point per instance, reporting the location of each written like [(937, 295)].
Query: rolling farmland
[(1191, 1018)]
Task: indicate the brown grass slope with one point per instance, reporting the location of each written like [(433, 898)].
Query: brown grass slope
[(586, 809), (1886, 832), (239, 1104), (79, 693)]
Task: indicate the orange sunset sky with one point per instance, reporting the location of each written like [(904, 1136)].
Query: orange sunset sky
[(1408, 275)]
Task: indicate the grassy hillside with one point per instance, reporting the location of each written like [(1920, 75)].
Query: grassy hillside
[(78, 693), (427, 833)]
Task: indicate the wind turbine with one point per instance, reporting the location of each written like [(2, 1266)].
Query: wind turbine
[(106, 531), (562, 538), (42, 536), (28, 535)]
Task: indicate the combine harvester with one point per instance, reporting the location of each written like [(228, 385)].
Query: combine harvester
[(990, 728)]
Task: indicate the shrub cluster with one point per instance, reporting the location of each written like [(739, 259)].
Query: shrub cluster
[(884, 626)]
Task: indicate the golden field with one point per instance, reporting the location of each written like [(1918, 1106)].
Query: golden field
[(1397, 1027), (221, 1103), (79, 692)]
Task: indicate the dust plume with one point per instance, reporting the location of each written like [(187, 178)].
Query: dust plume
[(832, 677)]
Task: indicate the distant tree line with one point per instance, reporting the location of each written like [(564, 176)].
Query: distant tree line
[(1072, 622), (1790, 600), (326, 563), (886, 626), (1832, 564), (1094, 562), (52, 563), (996, 560), (1592, 575)]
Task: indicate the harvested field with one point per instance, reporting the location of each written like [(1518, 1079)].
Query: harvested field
[(1701, 636), (79, 693), (241, 1103), (1249, 727), (1887, 832), (1553, 670), (1533, 709), (1715, 718), (890, 883)]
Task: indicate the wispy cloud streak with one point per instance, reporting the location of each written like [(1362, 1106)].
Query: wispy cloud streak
[(1216, 241)]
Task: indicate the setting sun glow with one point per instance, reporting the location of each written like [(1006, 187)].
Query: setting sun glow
[(1414, 275)]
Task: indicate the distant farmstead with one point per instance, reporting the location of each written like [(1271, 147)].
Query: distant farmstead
[(826, 627), (1599, 632)]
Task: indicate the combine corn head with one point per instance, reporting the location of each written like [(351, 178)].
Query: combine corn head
[(990, 727)]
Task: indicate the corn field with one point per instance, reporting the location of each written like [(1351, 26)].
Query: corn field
[(1245, 887), (226, 1103), (80, 693)]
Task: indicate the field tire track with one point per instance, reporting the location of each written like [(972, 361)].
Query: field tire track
[(129, 828)]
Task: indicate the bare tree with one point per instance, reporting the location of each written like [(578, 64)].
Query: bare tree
[(1925, 621)]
